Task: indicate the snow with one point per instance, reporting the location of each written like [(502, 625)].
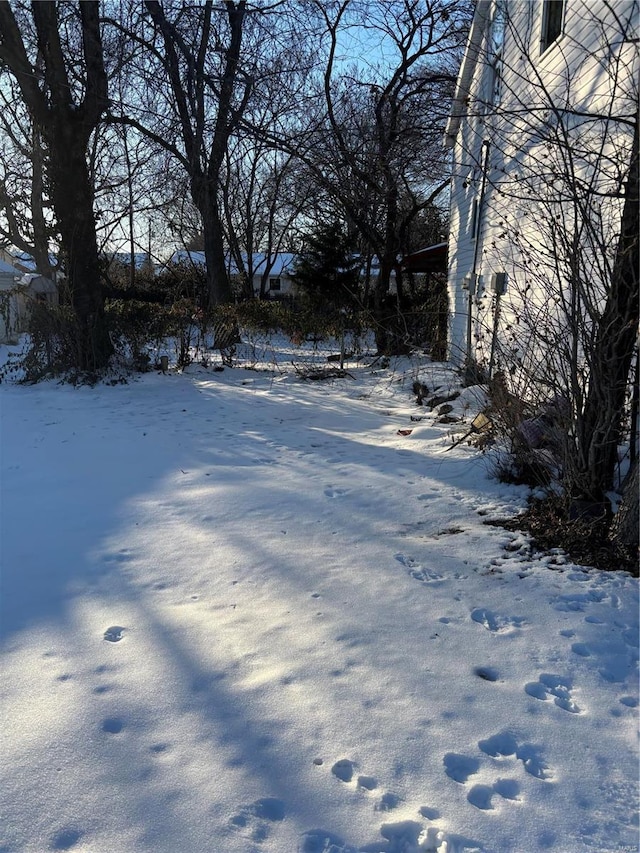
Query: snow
[(7, 269), (282, 263), (243, 614)]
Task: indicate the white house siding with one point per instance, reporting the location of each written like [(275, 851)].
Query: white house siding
[(586, 70), (467, 137), (13, 305)]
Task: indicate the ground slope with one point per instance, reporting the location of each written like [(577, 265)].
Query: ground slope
[(241, 613)]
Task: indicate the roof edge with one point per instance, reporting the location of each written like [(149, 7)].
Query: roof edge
[(469, 63)]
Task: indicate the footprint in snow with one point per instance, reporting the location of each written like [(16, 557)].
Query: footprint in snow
[(557, 687), (404, 835), (65, 839), (124, 555), (323, 841), (416, 570), (112, 725), (256, 819), (114, 634), (460, 767), (343, 770), (331, 492), (407, 562), (481, 796), (504, 745), (581, 649), (496, 622), (429, 813), (269, 808), (577, 602), (486, 673), (508, 789), (387, 803), (425, 575)]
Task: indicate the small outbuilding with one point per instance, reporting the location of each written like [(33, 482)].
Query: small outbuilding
[(432, 259), (17, 293), (39, 287)]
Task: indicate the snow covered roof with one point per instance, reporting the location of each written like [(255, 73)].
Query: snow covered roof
[(7, 269), (282, 262), (184, 256), (140, 259), (26, 262)]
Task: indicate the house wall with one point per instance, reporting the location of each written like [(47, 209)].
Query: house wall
[(17, 295), (286, 285), (13, 309), (546, 171), (281, 268)]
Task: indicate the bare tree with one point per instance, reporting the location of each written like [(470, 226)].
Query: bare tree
[(26, 221), (263, 195), (64, 86), (201, 62), (616, 333), (372, 140)]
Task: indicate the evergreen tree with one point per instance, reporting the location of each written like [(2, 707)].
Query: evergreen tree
[(327, 272)]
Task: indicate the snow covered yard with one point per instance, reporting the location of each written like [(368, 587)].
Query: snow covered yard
[(242, 614)]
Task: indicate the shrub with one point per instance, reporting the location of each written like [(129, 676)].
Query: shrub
[(53, 345)]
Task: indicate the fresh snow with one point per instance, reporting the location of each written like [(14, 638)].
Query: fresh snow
[(241, 613)]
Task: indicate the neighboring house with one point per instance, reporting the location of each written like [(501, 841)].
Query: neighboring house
[(17, 292), (274, 272), (39, 288), (12, 305), (541, 131), (24, 262), (121, 261), (429, 260)]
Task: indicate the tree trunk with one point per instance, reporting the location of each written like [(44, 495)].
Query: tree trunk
[(616, 334), (193, 113), (204, 197), (381, 310), (389, 333), (40, 230), (66, 128), (624, 530), (72, 199), (218, 285), (217, 277)]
